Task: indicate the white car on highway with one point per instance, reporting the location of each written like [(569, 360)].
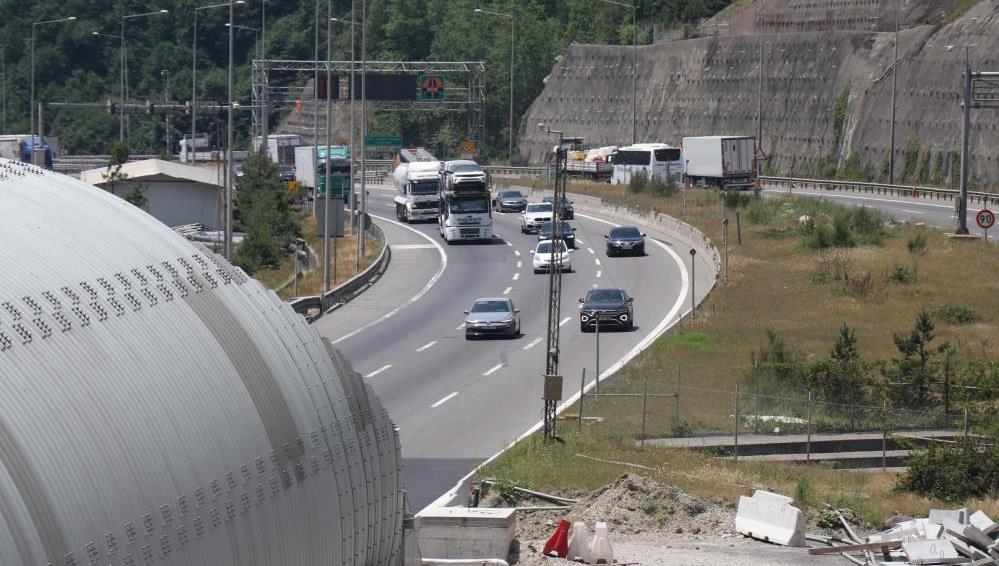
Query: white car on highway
[(542, 256), (536, 214)]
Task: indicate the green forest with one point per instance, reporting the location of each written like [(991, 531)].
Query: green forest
[(79, 60)]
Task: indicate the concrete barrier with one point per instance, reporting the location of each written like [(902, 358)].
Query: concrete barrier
[(770, 517), (465, 533)]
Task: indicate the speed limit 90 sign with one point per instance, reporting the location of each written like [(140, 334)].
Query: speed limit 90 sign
[(985, 218)]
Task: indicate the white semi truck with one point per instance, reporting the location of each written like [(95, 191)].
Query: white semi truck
[(416, 178), (464, 211), (720, 161)]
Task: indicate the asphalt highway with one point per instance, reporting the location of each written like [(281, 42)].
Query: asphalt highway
[(458, 402), (935, 213)]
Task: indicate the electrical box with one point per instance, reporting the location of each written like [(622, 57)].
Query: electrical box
[(553, 388)]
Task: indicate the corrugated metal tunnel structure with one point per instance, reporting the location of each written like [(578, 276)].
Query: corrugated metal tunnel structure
[(157, 406)]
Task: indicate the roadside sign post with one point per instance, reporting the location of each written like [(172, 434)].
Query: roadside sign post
[(985, 219)]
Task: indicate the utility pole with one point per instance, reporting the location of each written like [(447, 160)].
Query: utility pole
[(228, 145), (329, 134), (362, 221), (759, 108), (552, 378), (962, 202), (166, 100), (315, 108), (894, 72)]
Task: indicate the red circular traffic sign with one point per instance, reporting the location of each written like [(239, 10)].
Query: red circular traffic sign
[(985, 218)]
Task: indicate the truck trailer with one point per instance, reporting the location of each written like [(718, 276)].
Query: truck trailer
[(463, 202), (417, 178), (310, 169), (720, 161)]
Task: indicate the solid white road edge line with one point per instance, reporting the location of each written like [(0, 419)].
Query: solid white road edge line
[(414, 298), (491, 370), (426, 346), (893, 201), (658, 331), (444, 400), (378, 371)]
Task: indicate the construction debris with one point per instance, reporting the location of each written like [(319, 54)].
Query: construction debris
[(770, 517), (946, 536)]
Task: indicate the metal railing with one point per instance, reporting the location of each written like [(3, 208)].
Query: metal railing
[(510, 171), (314, 307), (913, 191)]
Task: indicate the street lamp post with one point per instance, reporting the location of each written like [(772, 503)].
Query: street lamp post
[(510, 16), (32, 103), (634, 65), (364, 131), (194, 77), (124, 65), (329, 140)]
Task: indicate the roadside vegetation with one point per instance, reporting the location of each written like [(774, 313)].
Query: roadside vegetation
[(872, 325), (273, 220)]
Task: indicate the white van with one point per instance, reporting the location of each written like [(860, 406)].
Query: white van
[(655, 159)]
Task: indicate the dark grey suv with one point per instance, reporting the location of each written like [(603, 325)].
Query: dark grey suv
[(610, 308)]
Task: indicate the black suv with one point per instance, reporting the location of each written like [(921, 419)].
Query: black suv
[(568, 233), (568, 213), (611, 308), (625, 240)]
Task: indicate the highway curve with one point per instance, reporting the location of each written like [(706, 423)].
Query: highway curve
[(458, 402)]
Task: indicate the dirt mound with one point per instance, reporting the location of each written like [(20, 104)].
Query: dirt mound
[(636, 505)]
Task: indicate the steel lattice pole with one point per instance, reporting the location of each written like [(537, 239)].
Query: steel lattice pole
[(554, 291)]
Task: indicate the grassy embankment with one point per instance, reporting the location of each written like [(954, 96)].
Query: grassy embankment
[(312, 282), (776, 282)]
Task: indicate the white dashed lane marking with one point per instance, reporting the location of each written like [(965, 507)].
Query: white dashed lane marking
[(590, 250), (507, 290), (599, 273), (516, 276), (565, 321), (444, 400), (532, 344), (492, 370), (378, 371), (426, 346)]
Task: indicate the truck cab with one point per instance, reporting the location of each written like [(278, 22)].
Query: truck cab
[(464, 211), (417, 183)]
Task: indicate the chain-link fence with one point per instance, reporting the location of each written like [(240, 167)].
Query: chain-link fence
[(672, 407)]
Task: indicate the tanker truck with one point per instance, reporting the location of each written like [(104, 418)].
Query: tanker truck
[(416, 178)]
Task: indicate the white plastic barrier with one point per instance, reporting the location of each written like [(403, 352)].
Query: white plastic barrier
[(770, 517), (600, 547), (579, 543)]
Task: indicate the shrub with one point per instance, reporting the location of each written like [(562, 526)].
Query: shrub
[(820, 238), (956, 314), (736, 199), (639, 182), (952, 473), (901, 275)]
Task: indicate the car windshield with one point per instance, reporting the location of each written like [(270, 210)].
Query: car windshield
[(539, 207), (511, 194), (605, 296), (491, 306), (466, 168), (286, 170), (469, 206), (424, 187), (625, 232), (546, 247), (552, 200)]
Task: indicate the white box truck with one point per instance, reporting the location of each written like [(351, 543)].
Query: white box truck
[(720, 161)]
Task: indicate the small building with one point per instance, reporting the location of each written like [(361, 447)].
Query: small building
[(176, 193)]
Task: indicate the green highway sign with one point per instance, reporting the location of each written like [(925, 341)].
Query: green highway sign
[(384, 141)]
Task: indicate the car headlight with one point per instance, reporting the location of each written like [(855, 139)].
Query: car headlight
[(507, 321)]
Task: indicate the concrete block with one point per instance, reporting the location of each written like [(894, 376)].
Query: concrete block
[(967, 549), (770, 517), (984, 523), (579, 543), (967, 533), (463, 532), (958, 515), (932, 552)]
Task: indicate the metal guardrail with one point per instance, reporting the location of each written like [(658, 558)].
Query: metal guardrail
[(314, 307), (914, 191), (510, 171)]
